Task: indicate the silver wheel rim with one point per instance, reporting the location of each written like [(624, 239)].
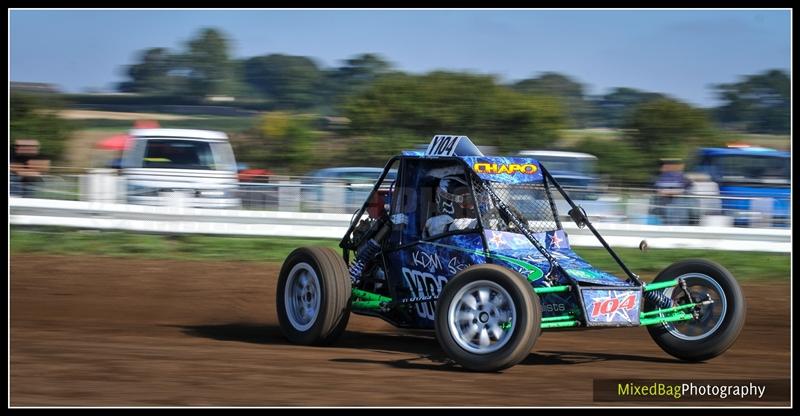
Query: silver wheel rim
[(711, 316), (301, 296), (482, 317)]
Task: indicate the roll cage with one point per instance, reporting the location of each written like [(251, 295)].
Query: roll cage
[(375, 213)]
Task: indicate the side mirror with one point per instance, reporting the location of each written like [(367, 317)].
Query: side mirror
[(578, 215)]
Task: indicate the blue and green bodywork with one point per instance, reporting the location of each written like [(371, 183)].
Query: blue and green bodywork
[(572, 294)]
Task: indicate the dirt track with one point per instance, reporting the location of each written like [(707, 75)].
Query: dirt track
[(95, 331)]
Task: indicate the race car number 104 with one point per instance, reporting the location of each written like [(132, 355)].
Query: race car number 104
[(442, 145)]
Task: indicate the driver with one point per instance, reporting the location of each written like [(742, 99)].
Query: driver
[(455, 207)]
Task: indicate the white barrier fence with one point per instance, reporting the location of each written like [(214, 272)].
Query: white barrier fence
[(338, 196), (160, 219)]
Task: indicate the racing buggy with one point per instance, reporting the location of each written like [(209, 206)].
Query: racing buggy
[(472, 247)]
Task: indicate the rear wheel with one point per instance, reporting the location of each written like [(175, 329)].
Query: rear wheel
[(487, 318), (313, 295), (717, 325)]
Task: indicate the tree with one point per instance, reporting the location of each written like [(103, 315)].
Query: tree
[(614, 108), (454, 103), (562, 88), (34, 117), (364, 68), (239, 87), (666, 128), (154, 74), (280, 139), (759, 104), (618, 161), (208, 62), (289, 81), (204, 69), (356, 74)]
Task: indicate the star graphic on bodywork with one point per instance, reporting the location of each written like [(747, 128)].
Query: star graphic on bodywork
[(555, 241), (497, 240)]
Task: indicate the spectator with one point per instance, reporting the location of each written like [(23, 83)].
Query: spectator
[(671, 186), (706, 193), (27, 167)]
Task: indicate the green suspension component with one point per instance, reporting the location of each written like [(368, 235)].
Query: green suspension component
[(673, 314), (645, 318), (367, 304), (553, 289), (363, 294), (660, 285), (666, 311), (557, 318), (661, 320), (565, 324), (370, 300)]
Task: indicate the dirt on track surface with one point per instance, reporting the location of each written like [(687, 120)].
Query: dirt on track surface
[(100, 331)]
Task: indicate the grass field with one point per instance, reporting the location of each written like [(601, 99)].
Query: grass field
[(744, 265)]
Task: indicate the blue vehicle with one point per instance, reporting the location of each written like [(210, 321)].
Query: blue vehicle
[(472, 247), (755, 182)]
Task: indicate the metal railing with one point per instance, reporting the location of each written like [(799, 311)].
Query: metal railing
[(623, 205), (184, 220)]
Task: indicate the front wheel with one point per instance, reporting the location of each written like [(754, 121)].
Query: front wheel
[(487, 318), (716, 326)]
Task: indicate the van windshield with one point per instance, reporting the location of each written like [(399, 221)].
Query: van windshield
[(763, 169), (188, 154)]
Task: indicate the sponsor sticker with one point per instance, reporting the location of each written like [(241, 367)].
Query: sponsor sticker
[(422, 284), (611, 307), (510, 168)]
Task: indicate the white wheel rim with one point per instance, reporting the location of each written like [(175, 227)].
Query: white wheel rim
[(301, 296), (711, 316), (482, 317)]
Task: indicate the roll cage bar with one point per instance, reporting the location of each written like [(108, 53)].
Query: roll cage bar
[(576, 213)]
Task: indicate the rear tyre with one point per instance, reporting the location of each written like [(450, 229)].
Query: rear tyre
[(313, 296), (487, 318), (718, 324)]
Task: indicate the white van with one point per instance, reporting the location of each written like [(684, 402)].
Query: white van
[(180, 167)]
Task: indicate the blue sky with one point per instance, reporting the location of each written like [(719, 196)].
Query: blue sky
[(676, 52)]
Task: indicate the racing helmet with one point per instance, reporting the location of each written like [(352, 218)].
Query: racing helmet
[(454, 198)]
